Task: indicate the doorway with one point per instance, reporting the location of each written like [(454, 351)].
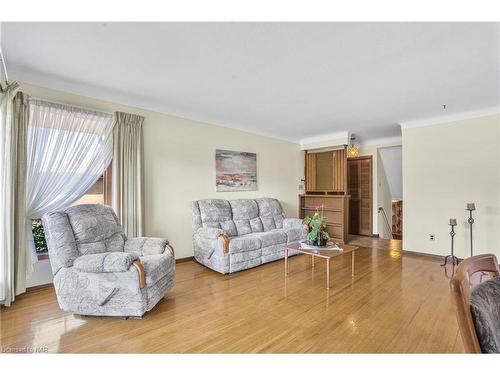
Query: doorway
[(359, 184)]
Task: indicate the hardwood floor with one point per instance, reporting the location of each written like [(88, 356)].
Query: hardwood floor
[(394, 303)]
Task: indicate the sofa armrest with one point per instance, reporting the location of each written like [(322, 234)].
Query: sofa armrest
[(146, 245), (292, 223), (209, 233), (214, 234), (104, 262)]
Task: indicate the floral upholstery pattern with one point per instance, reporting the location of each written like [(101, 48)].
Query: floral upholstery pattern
[(92, 262), (485, 309), (257, 231)]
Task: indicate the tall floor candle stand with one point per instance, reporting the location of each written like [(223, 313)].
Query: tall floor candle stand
[(471, 207), (453, 223)]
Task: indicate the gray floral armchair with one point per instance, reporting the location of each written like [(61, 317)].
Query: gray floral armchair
[(98, 271)]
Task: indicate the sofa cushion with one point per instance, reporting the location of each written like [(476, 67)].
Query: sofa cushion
[(156, 266), (96, 229), (246, 216), (244, 243), (217, 213), (273, 237), (270, 213)]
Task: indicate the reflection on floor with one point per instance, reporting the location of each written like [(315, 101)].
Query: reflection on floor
[(394, 303)]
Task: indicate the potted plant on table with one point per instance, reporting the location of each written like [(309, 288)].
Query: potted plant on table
[(316, 229)]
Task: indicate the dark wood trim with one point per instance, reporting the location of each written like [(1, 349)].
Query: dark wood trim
[(433, 257), (39, 287), (42, 256), (225, 238), (142, 274), (375, 235), (183, 260)]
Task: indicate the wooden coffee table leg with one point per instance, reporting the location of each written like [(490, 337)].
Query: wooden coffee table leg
[(328, 273), (286, 261)]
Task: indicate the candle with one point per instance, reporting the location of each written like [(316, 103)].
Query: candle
[(453, 221), (471, 206)]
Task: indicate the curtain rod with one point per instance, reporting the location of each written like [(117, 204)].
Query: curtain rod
[(70, 105)]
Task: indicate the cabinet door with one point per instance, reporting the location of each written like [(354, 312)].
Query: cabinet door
[(360, 189), (353, 190), (365, 197)]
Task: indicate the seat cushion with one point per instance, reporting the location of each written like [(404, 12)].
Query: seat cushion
[(273, 237), (485, 309), (245, 243), (157, 266)]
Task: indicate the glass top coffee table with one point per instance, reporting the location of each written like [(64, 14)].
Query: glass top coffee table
[(321, 253)]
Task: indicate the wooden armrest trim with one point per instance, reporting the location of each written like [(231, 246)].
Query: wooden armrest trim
[(171, 249), (225, 238), (142, 274)]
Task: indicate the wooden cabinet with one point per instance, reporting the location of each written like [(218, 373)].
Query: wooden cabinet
[(360, 189), (335, 210), (326, 171)]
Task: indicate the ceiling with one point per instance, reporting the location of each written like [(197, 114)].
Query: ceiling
[(288, 80)]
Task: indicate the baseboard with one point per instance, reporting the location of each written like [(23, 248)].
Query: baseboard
[(39, 287), (424, 255), (182, 260), (375, 236)]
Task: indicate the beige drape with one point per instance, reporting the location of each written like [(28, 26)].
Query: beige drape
[(127, 173), (22, 265)]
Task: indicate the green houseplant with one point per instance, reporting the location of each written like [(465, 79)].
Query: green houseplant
[(316, 229)]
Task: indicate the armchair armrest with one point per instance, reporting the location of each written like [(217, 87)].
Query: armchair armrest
[(291, 223), (147, 246), (104, 262)]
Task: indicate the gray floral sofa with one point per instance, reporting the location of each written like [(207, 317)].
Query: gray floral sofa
[(235, 235), (98, 271)]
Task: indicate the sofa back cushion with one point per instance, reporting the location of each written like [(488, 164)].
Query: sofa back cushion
[(270, 213), (214, 213), (238, 216), (246, 216)]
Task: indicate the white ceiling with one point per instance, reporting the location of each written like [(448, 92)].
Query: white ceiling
[(288, 80)]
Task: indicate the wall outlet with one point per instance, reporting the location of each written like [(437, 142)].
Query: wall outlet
[(432, 237)]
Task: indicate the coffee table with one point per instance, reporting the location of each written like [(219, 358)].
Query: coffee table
[(321, 253)]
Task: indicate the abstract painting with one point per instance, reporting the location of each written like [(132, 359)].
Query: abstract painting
[(235, 170)]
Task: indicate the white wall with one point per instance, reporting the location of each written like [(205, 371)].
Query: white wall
[(445, 166), (372, 149), (392, 160), (384, 200), (180, 167)]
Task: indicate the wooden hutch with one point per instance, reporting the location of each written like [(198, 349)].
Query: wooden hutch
[(326, 186)]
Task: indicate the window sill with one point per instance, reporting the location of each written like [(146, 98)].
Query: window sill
[(43, 256)]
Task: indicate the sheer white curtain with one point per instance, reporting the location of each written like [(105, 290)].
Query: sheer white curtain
[(6, 217), (69, 148)]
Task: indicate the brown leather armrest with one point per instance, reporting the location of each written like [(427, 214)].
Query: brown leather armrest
[(225, 238), (142, 275)]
